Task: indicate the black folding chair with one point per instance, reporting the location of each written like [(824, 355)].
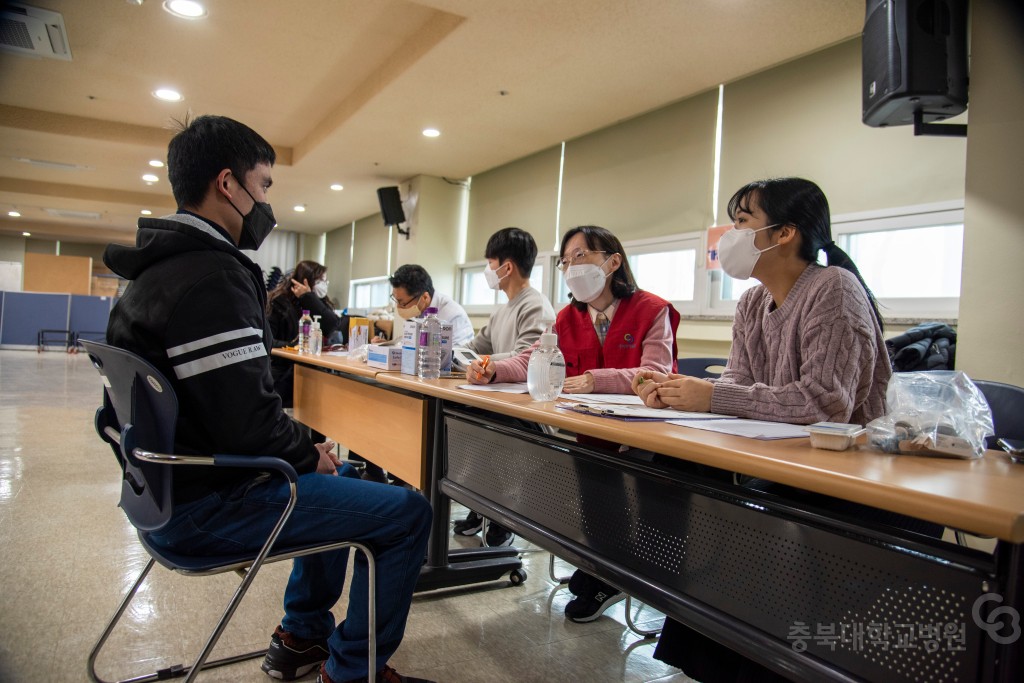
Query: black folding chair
[(138, 418)]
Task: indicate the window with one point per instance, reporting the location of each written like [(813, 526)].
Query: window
[(910, 257), (666, 267), (477, 298), (369, 293)]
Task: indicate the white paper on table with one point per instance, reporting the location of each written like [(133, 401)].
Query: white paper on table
[(335, 353), (506, 387), (753, 429), (615, 399), (640, 412)]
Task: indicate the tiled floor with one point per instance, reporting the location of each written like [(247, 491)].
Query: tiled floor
[(68, 555)]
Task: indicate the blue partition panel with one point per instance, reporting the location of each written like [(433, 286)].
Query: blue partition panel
[(89, 316), (25, 313)]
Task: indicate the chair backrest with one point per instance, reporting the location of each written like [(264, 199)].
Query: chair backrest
[(139, 403), (700, 367), (1007, 404)]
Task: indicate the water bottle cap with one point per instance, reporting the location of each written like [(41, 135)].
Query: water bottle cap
[(304, 312), (430, 310), (549, 339)]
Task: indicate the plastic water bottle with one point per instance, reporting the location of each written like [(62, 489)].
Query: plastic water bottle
[(545, 374), (429, 346), (305, 326), (316, 337)]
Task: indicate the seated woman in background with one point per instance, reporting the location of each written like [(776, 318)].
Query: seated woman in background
[(806, 347), (610, 331), (304, 290)]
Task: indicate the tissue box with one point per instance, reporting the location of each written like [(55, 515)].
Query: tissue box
[(384, 357)]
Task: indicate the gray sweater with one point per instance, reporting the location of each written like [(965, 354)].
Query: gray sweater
[(514, 327), (818, 357)]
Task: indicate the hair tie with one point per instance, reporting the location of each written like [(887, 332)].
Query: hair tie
[(828, 246)]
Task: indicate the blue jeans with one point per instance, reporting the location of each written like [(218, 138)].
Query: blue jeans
[(394, 522)]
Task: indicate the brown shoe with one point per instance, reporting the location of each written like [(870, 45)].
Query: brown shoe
[(385, 675)]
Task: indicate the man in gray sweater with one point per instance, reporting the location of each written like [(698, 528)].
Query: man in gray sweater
[(512, 329)]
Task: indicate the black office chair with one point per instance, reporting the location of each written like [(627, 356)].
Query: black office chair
[(1007, 404), (138, 420), (700, 367)]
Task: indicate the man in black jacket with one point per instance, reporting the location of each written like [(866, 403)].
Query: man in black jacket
[(195, 309)]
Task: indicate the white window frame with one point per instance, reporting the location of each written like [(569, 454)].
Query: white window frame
[(687, 240), (901, 218), (364, 281), (544, 260)]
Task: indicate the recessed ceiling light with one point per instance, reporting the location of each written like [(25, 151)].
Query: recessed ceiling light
[(186, 9), (431, 132), (26, 234), (337, 187), (300, 207), (146, 212), (167, 95), (14, 214), (150, 178), (156, 163)]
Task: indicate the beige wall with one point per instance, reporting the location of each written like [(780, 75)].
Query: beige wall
[(991, 332), (435, 209), (12, 248), (337, 258)]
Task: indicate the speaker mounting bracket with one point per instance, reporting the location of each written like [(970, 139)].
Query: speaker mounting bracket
[(949, 130), (404, 233)]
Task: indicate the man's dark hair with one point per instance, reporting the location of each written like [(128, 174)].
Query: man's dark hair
[(414, 279), (513, 244), (207, 145)]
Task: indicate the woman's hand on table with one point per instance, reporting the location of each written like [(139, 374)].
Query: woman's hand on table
[(679, 393), (480, 371), (580, 384)]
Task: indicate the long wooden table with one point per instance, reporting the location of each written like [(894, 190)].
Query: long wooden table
[(799, 587), (398, 429), (812, 592)]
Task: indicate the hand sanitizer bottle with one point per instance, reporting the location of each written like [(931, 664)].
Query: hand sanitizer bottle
[(545, 374), (316, 337)]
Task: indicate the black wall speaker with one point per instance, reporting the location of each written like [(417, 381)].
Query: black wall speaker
[(914, 59), (390, 205)]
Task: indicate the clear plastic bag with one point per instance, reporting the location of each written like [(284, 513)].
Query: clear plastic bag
[(938, 413)]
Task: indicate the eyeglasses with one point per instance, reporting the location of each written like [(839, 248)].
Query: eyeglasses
[(407, 303), (577, 257)]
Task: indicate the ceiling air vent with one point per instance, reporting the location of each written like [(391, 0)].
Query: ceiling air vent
[(34, 32), (68, 213)]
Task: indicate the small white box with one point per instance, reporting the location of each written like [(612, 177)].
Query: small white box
[(410, 335), (384, 357)]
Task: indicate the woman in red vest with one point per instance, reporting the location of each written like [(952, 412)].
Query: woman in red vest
[(610, 331)]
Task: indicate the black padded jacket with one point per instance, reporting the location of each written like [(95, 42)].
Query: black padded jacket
[(194, 308)]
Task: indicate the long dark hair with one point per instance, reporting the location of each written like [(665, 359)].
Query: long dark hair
[(802, 204), (305, 271), (602, 239)]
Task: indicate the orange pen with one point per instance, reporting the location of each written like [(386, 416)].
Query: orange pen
[(483, 366)]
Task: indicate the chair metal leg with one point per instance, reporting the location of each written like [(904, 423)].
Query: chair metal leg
[(113, 622), (632, 625), (551, 571)]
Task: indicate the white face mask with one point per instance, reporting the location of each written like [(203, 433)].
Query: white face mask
[(493, 281), (737, 253), (408, 313), (320, 289), (586, 281)]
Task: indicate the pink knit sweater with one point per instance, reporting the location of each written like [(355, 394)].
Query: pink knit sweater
[(818, 357)]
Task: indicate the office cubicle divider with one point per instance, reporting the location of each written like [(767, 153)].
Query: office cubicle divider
[(24, 314)]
